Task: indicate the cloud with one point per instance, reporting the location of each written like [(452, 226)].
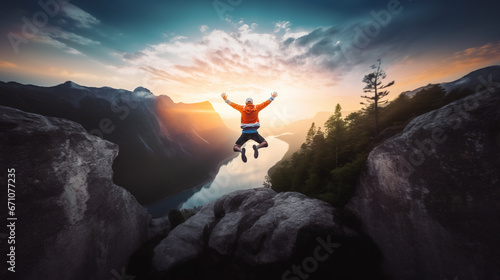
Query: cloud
[(248, 59), (57, 44), (281, 25), (442, 68), (73, 51), (486, 52), (81, 17), (469, 59), (243, 59), (6, 64), (133, 56), (166, 35), (178, 38), (328, 49), (204, 28), (59, 34), (317, 35), (63, 40), (124, 70)]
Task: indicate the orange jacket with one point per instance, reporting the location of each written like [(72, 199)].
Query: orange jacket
[(250, 114)]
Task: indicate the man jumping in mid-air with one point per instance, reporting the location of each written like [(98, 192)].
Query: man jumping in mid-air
[(250, 124)]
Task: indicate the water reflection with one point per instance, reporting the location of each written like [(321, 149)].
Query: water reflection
[(237, 175), (234, 175)]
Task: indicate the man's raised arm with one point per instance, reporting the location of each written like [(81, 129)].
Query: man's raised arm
[(267, 102), (230, 103)]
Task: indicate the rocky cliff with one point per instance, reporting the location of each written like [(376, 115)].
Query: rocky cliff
[(430, 195), (72, 221), (165, 147), (259, 234)]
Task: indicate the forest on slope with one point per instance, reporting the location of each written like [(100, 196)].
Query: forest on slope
[(328, 164)]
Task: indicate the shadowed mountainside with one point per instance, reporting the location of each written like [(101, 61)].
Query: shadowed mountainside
[(165, 147)]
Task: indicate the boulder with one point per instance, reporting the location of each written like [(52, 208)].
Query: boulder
[(158, 227), (429, 195), (72, 221), (256, 234)]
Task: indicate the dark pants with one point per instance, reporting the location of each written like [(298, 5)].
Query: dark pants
[(250, 136)]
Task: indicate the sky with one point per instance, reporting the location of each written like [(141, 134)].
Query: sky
[(313, 53)]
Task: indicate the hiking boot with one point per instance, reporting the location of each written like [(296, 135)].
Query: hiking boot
[(243, 157), (255, 151)]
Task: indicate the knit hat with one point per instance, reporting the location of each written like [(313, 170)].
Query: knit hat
[(248, 100)]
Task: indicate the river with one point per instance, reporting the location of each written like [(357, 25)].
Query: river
[(233, 175)]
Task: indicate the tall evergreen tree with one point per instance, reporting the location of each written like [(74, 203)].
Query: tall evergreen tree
[(374, 85), (310, 136), (335, 128)]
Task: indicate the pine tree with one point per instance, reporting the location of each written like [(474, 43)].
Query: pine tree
[(309, 138), (335, 128), (374, 85)]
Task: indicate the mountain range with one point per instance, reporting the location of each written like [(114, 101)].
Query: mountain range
[(168, 147), (474, 81), (164, 147)]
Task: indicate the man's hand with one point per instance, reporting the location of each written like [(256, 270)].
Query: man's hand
[(274, 94), (224, 96)]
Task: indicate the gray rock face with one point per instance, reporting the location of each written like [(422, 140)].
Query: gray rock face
[(254, 228), (159, 226), (72, 221), (159, 140), (429, 197)]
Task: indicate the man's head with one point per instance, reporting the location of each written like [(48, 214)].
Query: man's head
[(249, 101)]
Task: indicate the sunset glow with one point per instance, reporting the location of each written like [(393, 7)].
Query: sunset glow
[(314, 54)]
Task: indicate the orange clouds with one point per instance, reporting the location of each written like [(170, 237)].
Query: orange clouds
[(243, 62), (490, 50), (6, 64), (437, 69), (473, 58)]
